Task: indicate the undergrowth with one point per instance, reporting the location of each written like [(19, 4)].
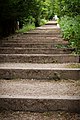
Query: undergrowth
[(70, 28), (30, 26), (43, 21), (26, 28)]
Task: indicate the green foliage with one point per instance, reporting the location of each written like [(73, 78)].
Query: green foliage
[(24, 11), (42, 22), (69, 13), (47, 9), (71, 30), (26, 28), (57, 7), (67, 7)]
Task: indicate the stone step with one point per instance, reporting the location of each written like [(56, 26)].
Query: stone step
[(35, 45), (40, 71), (45, 31), (24, 115), (19, 50), (40, 96), (49, 27), (39, 58), (36, 40), (24, 37), (56, 28), (51, 23), (41, 34)]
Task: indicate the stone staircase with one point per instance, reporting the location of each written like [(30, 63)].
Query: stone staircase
[(39, 72)]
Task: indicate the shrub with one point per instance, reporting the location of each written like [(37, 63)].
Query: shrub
[(70, 28), (26, 28)]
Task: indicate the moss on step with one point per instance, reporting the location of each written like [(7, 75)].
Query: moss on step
[(76, 65)]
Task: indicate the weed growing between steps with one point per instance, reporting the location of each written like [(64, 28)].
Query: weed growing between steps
[(70, 28), (74, 65), (62, 46)]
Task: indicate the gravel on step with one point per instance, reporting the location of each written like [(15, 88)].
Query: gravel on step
[(41, 89), (40, 66), (10, 115)]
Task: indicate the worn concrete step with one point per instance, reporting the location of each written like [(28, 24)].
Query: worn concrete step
[(36, 32), (51, 23), (24, 37), (21, 37), (24, 115), (35, 45), (19, 50), (39, 58), (45, 31), (34, 41), (49, 27), (40, 96), (40, 71), (41, 34)]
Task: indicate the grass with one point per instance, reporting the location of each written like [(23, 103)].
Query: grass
[(29, 27), (26, 28), (76, 65)]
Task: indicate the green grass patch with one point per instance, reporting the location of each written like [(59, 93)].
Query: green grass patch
[(26, 28), (76, 65)]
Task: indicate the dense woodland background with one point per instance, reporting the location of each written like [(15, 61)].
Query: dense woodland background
[(33, 13)]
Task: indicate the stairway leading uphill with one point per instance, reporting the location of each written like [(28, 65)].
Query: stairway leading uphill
[(39, 72)]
